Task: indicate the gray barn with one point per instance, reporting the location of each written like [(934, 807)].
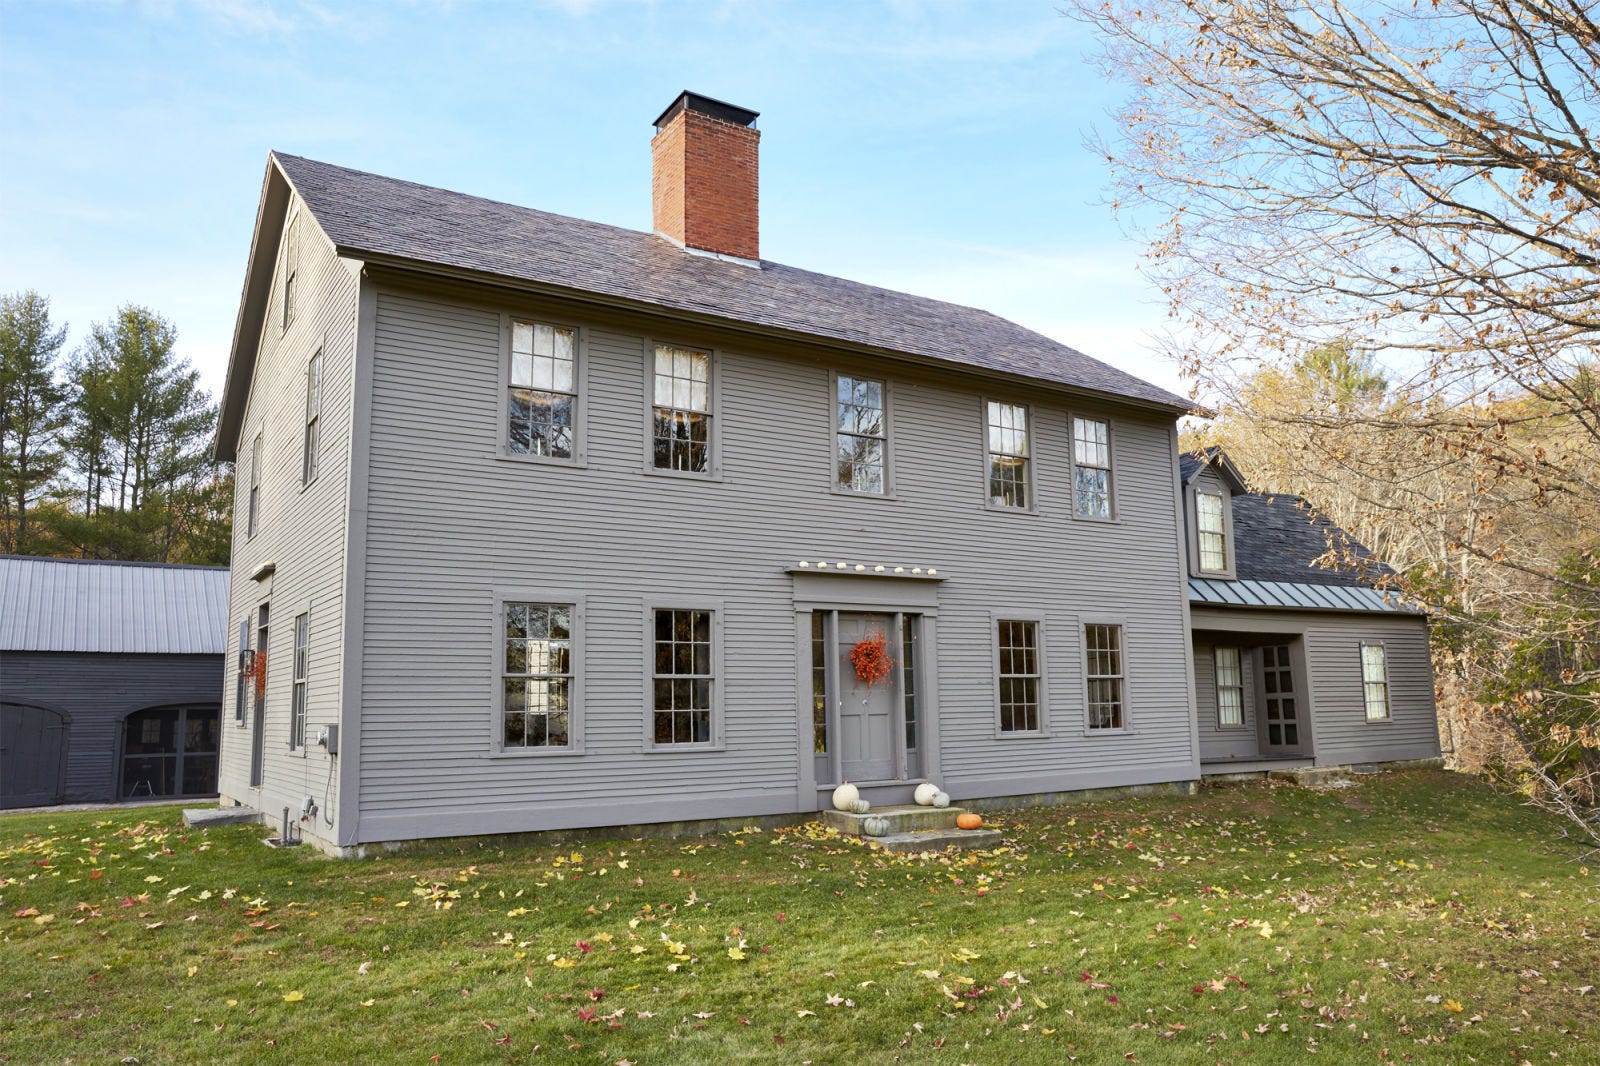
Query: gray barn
[(110, 680)]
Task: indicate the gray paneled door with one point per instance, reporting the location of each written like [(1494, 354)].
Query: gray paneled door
[(33, 756), (866, 714), (1281, 721)]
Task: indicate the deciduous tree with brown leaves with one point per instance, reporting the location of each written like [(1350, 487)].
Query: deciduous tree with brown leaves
[(1419, 183)]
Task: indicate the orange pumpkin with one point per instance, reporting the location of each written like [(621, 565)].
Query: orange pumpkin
[(968, 820)]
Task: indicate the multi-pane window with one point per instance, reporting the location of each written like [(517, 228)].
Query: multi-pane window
[(861, 436), (1008, 454), (536, 675), (1103, 645), (255, 487), (819, 683), (1212, 525), (297, 700), (291, 268), (684, 676), (308, 459), (1019, 676), (1230, 686), (681, 415), (908, 672), (543, 390), (1375, 681), (242, 680), (1091, 466)]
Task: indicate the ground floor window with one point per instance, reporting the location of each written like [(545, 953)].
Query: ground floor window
[(537, 676), (684, 677), (1018, 643), (1230, 686), (1103, 645), (170, 751), (1375, 681)]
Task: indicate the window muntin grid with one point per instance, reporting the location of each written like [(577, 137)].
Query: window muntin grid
[(681, 411), (1213, 530), (684, 677), (1007, 442), (1103, 644), (819, 683), (308, 458), (543, 390), (1019, 676), (1091, 467), (861, 435), (1230, 685), (1375, 681), (254, 510), (537, 676), (297, 698)]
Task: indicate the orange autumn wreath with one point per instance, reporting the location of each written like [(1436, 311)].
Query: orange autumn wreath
[(871, 659)]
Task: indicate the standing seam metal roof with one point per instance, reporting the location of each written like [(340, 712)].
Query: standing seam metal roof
[(1294, 596), (78, 605)]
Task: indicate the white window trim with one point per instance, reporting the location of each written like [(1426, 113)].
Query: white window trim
[(1032, 456), (580, 399), (299, 682), (575, 697), (291, 271), (311, 456), (834, 434), (1111, 469), (719, 682), (1243, 724), (258, 455), (1084, 621), (1043, 693), (713, 471), (1388, 687)]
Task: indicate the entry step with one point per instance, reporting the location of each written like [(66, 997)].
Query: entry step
[(921, 840), (914, 828), (206, 817)]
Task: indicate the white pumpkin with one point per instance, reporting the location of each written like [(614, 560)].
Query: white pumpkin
[(925, 793), (941, 799), (845, 797)]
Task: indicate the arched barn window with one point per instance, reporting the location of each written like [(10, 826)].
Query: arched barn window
[(170, 751)]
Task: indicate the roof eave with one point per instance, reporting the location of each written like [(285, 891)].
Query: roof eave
[(440, 270)]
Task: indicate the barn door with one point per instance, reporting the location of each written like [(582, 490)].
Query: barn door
[(33, 756)]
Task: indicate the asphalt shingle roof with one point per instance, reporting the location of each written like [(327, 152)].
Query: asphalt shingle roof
[(367, 215), (77, 605), (1276, 538)]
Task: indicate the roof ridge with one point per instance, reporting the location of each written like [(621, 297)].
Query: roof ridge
[(6, 556)]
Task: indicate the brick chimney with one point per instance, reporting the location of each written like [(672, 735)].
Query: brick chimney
[(704, 181)]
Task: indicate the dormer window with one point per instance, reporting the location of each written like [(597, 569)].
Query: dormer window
[(1213, 526)]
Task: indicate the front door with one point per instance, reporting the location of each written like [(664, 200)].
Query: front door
[(1280, 702), (866, 712)]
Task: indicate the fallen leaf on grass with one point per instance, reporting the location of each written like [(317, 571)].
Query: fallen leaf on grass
[(1452, 1006), (294, 997)]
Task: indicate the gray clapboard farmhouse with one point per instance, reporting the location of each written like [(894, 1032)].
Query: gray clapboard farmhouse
[(544, 523), (1296, 663), (109, 680)]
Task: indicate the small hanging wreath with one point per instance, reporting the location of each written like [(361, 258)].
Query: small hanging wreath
[(871, 659)]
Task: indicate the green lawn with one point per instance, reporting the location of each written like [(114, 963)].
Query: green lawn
[(1416, 917)]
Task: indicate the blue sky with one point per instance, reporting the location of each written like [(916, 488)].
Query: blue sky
[(936, 148)]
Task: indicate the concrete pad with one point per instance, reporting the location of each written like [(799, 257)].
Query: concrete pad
[(937, 840), (206, 817)]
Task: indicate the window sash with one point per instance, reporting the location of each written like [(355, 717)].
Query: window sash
[(1230, 685), (1212, 526), (255, 487), (1006, 444), (308, 462), (861, 435), (683, 679), (537, 675), (1375, 681), (1019, 671), (681, 409), (1103, 650), (542, 390), (1091, 466), (297, 702), (291, 268)]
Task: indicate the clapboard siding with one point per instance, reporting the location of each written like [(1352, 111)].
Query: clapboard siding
[(301, 529), (1340, 730), (97, 692), (451, 527)]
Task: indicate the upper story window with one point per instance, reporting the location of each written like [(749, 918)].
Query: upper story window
[(543, 390), (297, 696), (291, 267), (1091, 465), (1230, 686), (1211, 521), (684, 677), (681, 422), (1007, 442), (308, 458), (536, 676), (861, 436), (1019, 676), (1375, 681), (1103, 644), (254, 509)]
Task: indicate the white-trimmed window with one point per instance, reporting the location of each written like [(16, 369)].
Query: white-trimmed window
[(1019, 675), (255, 488), (1091, 467), (291, 267), (861, 435), (1107, 694), (1212, 523), (1375, 681), (681, 410), (536, 676), (1230, 686), (543, 390), (1006, 440), (308, 458), (297, 699), (684, 676)]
